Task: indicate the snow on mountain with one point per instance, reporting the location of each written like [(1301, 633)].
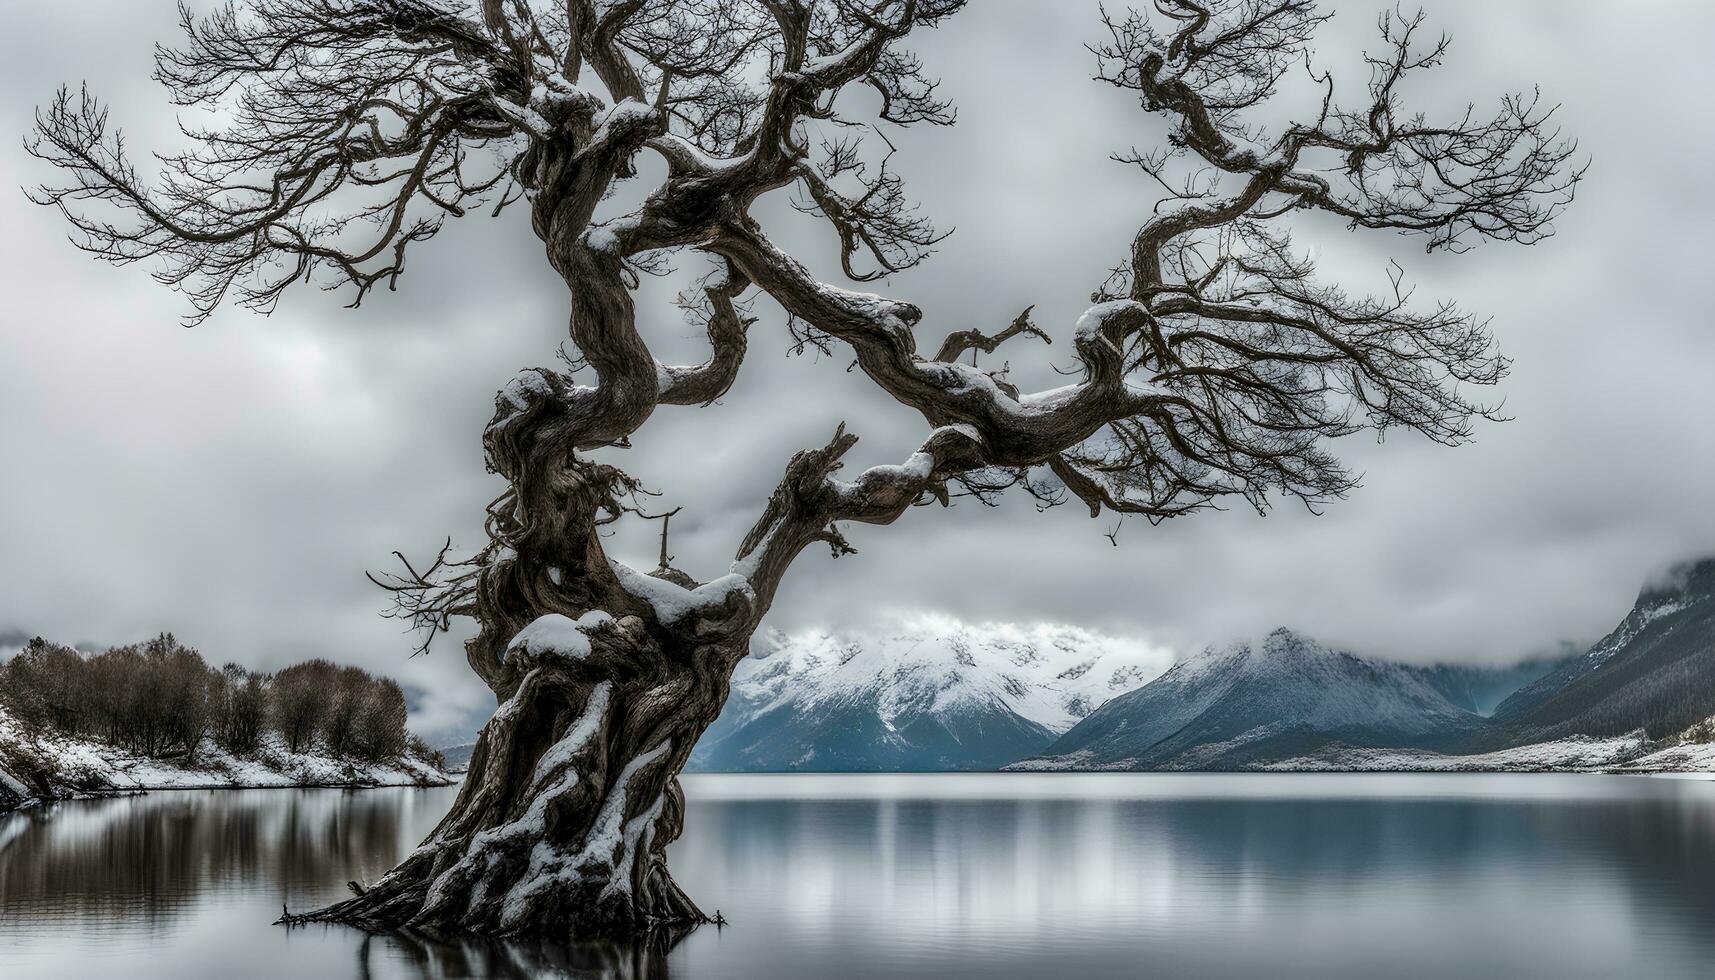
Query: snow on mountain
[(1245, 704), (919, 693), (1655, 671)]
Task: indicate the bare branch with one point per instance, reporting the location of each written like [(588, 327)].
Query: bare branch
[(963, 340)]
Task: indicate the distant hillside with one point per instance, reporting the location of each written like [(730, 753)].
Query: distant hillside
[(1642, 699), (1245, 705), (938, 695), (1655, 671), (930, 694), (1481, 689), (458, 756)]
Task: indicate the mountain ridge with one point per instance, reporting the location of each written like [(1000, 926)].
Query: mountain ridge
[(935, 694), (926, 693), (1655, 670), (1236, 705)]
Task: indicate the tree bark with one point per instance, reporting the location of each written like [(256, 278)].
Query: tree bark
[(563, 820), (605, 678)]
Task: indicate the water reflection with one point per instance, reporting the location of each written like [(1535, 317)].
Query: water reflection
[(151, 859), (990, 876), (424, 956)]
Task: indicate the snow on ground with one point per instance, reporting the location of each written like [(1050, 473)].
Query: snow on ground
[(1576, 754), (67, 766), (1690, 759), (1631, 753)]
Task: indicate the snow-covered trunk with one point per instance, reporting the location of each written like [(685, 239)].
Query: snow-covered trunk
[(562, 823), (605, 676)]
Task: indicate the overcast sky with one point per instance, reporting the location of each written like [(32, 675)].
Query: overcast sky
[(233, 482)]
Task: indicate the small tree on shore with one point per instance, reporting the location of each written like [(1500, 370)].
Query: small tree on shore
[(178, 708), (45, 685), (239, 706), (380, 729), (298, 701), (348, 695)]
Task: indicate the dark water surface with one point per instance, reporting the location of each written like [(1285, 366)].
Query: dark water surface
[(1008, 876)]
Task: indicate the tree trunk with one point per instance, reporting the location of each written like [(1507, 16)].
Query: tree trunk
[(606, 678), (563, 820)]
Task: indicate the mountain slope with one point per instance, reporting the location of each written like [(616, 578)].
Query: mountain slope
[(1482, 689), (926, 694), (1244, 705), (1655, 671)]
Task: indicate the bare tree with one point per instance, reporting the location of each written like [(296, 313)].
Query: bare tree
[(46, 685), (347, 695), (365, 715), (299, 699), (177, 681), (1213, 363), (238, 706), (380, 731)]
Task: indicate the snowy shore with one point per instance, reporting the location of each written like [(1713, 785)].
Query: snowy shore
[(38, 766), (1633, 753), (1627, 753)]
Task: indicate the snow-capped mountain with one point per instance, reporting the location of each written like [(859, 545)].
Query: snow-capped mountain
[(935, 694), (1246, 705), (1655, 671), (927, 693)]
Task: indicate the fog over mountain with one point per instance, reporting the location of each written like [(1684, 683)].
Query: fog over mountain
[(233, 482), (1655, 671)]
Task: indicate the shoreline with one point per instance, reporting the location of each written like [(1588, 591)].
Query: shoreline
[(453, 778), (34, 801), (37, 767)]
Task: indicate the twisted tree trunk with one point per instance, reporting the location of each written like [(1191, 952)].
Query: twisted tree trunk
[(564, 818), (606, 678)]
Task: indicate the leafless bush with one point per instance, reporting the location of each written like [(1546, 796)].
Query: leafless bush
[(239, 707), (419, 749), (380, 730), (160, 698), (298, 702), (44, 686)]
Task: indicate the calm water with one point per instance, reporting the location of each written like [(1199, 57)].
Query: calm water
[(937, 876)]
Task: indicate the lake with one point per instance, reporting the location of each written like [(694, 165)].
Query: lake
[(1008, 876)]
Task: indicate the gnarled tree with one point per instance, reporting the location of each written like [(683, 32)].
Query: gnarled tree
[(1212, 364)]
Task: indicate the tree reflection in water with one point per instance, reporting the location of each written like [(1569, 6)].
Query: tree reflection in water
[(516, 959), (150, 863)]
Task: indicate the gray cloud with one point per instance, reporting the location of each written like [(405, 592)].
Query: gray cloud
[(233, 482)]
